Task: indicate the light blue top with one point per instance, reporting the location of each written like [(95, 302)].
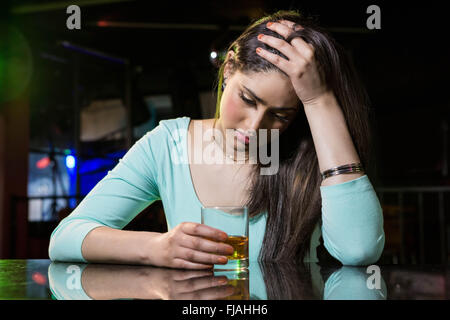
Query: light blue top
[(155, 168)]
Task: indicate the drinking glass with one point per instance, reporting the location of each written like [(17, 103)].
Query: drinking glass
[(233, 221), (239, 280)]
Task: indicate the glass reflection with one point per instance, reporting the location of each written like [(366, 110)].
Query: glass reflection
[(239, 281), (265, 281)]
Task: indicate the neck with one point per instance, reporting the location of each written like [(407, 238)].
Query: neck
[(217, 124)]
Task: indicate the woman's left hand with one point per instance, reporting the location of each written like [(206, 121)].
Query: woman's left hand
[(301, 66)]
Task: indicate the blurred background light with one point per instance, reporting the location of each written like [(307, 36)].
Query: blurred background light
[(43, 163), (70, 161)]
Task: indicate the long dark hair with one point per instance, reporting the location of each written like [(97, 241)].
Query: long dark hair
[(292, 196)]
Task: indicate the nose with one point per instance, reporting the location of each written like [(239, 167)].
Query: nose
[(254, 122)]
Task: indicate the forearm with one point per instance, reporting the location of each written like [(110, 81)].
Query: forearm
[(108, 245), (332, 140)]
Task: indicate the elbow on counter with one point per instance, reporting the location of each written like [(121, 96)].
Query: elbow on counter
[(52, 249), (363, 255), (66, 240), (56, 250)]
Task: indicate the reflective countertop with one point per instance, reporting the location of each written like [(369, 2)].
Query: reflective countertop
[(43, 279)]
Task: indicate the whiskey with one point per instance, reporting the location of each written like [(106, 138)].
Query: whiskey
[(241, 289), (238, 260), (240, 246)]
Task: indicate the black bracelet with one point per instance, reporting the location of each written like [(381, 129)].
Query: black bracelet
[(346, 168)]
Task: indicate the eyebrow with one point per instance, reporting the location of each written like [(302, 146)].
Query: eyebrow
[(265, 103)]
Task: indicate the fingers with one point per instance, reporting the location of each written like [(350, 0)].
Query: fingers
[(204, 288), (275, 59), (291, 25), (205, 245), (189, 248), (200, 283), (182, 275), (281, 45), (284, 28), (200, 257), (185, 264), (201, 230)]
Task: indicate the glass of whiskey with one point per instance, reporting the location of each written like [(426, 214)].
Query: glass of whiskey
[(233, 221)]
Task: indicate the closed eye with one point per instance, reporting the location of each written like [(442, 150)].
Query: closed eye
[(253, 103), (284, 119), (246, 100)]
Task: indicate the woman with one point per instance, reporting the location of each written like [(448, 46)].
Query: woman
[(294, 79)]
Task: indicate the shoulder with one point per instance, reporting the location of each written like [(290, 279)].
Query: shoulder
[(166, 139), (173, 124), (202, 124), (174, 131), (169, 130)]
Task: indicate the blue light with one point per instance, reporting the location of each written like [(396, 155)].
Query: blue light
[(70, 161)]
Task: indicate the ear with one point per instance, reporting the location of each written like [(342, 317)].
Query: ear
[(228, 69)]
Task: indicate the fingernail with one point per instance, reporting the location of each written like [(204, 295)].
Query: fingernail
[(269, 24), (260, 36), (258, 50), (222, 260)]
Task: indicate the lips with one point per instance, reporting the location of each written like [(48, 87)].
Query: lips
[(243, 138)]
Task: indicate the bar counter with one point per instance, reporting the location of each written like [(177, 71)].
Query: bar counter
[(44, 279)]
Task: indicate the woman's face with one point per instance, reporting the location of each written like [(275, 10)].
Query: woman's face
[(256, 100)]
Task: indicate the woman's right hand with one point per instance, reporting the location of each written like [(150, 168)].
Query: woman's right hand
[(186, 247)]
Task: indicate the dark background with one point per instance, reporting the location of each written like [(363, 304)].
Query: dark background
[(404, 66)]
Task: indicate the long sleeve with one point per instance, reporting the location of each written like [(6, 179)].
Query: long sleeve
[(352, 222), (121, 195)]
